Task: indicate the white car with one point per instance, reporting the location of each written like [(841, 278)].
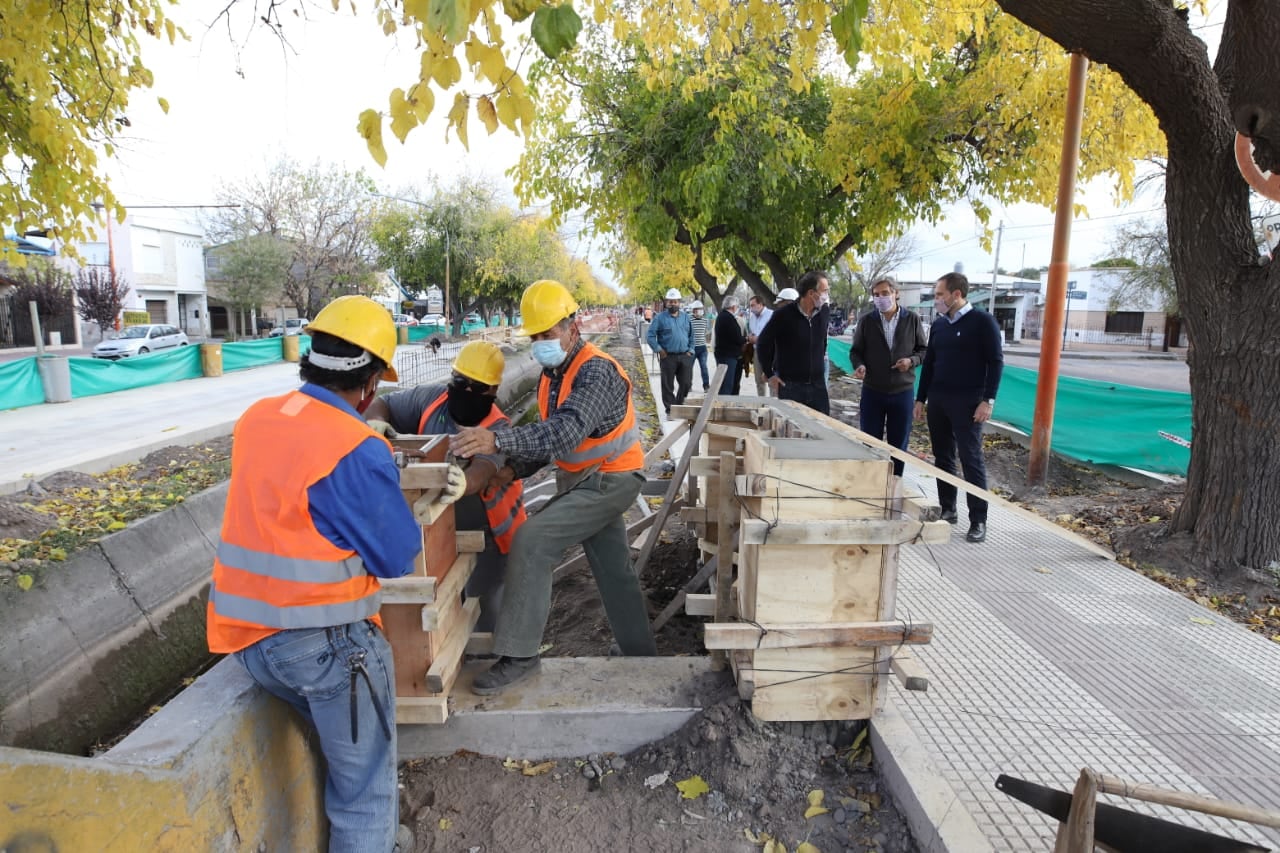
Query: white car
[(432, 320), (140, 340), (404, 319)]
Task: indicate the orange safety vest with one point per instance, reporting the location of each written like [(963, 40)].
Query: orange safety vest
[(273, 569), (503, 506), (617, 450)]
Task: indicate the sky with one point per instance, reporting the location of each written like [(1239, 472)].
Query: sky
[(239, 99)]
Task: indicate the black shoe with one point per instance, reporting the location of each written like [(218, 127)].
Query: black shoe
[(615, 650), (949, 516), (977, 532), (506, 672)]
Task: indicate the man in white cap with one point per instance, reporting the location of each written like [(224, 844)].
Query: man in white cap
[(671, 337), (701, 337)]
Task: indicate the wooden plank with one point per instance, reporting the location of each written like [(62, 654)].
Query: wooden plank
[(422, 710), (909, 671), (813, 684), (727, 431), (693, 514), (740, 662), (427, 510), (867, 531), (713, 548), (439, 546), (699, 604), (408, 590), (723, 412), (726, 534), (814, 583), (469, 541), (448, 592), (770, 635), (676, 603), (425, 475), (888, 597), (429, 448), (682, 468), (410, 647), (444, 669), (659, 450)]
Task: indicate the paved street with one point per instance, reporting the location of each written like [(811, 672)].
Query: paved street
[(1161, 374)]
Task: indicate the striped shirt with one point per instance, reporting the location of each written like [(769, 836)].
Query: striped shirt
[(699, 330)]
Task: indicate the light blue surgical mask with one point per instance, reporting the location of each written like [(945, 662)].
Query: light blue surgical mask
[(548, 353), (884, 304)]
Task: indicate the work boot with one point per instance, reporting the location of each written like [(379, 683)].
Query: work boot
[(506, 672)]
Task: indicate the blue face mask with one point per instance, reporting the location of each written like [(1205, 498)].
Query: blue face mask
[(548, 353)]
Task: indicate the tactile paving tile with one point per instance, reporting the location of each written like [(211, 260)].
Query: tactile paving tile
[(1087, 664)]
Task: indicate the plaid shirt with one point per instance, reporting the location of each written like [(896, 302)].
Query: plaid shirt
[(595, 406)]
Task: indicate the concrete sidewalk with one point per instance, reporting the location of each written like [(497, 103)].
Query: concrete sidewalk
[(1047, 658)]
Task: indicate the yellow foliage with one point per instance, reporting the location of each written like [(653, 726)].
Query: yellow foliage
[(692, 788), (815, 805)]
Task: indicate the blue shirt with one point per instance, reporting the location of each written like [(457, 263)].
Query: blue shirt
[(359, 505), (672, 334)]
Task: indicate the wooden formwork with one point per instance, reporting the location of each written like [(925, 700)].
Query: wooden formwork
[(425, 615), (804, 520)]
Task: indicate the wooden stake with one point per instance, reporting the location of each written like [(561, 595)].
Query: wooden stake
[(724, 545), (676, 603)]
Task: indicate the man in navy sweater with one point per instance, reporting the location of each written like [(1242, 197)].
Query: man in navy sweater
[(959, 379), (793, 346)]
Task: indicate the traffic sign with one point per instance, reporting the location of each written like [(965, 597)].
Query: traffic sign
[(1077, 294), (1271, 230)]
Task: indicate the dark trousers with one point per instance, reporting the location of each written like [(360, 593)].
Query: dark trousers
[(729, 385), (887, 416), (954, 433), (812, 394), (700, 356), (677, 371)]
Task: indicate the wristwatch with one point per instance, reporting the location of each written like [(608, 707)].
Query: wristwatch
[(496, 444), (991, 402)]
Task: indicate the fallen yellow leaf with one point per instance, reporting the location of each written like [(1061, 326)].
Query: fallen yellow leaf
[(815, 805), (537, 769), (25, 582), (693, 787), (445, 824), (774, 847), (1200, 620), (806, 847)]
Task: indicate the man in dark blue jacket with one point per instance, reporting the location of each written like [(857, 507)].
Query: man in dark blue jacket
[(671, 337), (959, 379)]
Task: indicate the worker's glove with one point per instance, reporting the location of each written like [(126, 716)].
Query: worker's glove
[(382, 428), (456, 487)]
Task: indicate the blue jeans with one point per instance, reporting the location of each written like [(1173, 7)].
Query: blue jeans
[(700, 356), (887, 416), (729, 385), (309, 668)]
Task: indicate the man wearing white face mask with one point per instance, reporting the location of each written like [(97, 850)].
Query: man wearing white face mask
[(888, 345), (588, 429), (793, 347)]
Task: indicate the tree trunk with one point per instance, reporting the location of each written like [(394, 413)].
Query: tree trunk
[(1224, 288)]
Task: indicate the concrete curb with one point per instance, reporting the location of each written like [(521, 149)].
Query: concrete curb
[(94, 640), (938, 818), (570, 708)]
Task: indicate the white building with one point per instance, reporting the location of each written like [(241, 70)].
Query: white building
[(163, 264), (1091, 318)]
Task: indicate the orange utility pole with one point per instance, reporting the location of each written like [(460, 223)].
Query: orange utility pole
[(1055, 300)]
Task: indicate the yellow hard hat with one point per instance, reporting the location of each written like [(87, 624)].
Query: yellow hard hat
[(544, 304), (361, 321), (482, 361)]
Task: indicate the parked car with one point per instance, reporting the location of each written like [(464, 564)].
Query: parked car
[(432, 320), (405, 319), (292, 326), (140, 340), (473, 319)]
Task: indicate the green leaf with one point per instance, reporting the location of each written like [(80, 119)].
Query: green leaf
[(451, 18), (518, 10), (556, 28), (846, 29), (25, 582)]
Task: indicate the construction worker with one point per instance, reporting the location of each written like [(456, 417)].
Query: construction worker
[(467, 400), (671, 337), (588, 429), (314, 516)]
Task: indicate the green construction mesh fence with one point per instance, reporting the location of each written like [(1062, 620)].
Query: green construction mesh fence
[(1099, 422), (21, 383), (240, 355), (92, 376)]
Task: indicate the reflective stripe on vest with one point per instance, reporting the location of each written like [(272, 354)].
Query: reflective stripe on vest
[(504, 508), (269, 565), (617, 450), (296, 615)]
